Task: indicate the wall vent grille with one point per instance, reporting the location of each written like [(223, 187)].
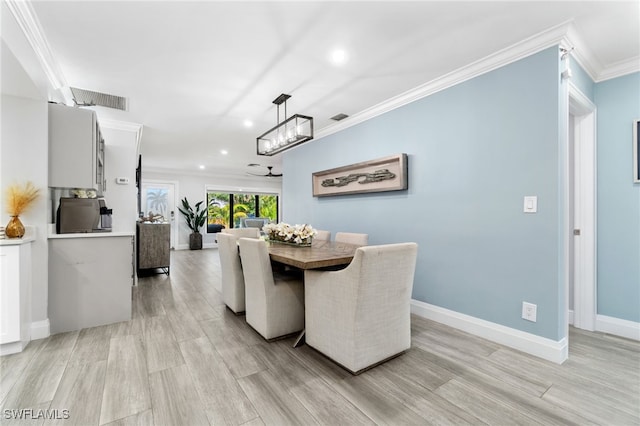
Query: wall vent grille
[(84, 97), (339, 117)]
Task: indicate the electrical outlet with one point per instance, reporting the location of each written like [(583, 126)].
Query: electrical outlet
[(529, 311)]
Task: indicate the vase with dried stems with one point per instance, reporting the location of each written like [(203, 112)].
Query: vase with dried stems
[(19, 199)]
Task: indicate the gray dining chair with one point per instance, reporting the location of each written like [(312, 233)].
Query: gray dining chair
[(254, 222), (360, 316), (274, 302), (233, 292), (352, 238)]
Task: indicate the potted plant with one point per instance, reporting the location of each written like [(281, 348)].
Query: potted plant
[(195, 220)]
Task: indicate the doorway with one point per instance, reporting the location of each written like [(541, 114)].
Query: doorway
[(158, 198), (582, 211)]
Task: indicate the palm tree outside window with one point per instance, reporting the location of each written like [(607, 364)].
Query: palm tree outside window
[(228, 209)]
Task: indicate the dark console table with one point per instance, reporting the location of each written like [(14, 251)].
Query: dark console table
[(153, 246)]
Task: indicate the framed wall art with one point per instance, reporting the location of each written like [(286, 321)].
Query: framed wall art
[(382, 174), (636, 151)]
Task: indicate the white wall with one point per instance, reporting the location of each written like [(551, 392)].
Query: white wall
[(24, 157), (121, 160), (194, 188)]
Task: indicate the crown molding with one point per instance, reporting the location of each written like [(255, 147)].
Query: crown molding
[(125, 126), (520, 50), (619, 69), (28, 22), (580, 53), (591, 65), (564, 34), (121, 125)]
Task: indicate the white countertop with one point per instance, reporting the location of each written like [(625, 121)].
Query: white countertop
[(17, 241), (53, 236), (29, 236), (91, 235)]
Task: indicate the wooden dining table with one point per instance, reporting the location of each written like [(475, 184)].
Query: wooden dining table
[(320, 254)]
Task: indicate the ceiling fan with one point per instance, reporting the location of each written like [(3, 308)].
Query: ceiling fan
[(269, 175)]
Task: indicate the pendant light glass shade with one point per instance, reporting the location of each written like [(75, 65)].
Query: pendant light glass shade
[(291, 132), (287, 134)]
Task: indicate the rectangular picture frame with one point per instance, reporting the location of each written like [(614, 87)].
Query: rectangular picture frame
[(636, 151), (379, 175)]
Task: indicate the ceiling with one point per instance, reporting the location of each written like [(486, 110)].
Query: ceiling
[(194, 72)]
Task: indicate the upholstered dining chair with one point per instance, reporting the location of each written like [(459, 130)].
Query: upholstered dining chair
[(232, 275), (352, 238), (243, 232), (322, 235), (360, 316), (274, 302), (254, 222)]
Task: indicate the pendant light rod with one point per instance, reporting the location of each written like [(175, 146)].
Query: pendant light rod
[(282, 99)]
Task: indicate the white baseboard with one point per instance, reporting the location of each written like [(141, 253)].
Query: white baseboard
[(526, 342), (570, 316), (40, 329), (618, 327), (12, 348)]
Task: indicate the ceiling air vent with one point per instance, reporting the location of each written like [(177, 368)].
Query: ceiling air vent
[(88, 98), (339, 117)]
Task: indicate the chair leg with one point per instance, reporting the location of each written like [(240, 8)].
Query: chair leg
[(299, 340)]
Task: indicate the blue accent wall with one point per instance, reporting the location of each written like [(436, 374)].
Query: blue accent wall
[(475, 150), (581, 79), (618, 220)]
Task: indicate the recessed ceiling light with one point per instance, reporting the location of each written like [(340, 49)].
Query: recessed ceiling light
[(248, 123), (224, 152), (201, 166), (338, 56)]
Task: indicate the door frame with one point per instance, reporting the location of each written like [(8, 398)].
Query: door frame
[(584, 202), (172, 220)]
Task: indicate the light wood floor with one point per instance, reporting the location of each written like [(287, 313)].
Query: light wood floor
[(185, 359)]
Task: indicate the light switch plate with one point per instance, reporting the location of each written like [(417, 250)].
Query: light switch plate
[(531, 204)]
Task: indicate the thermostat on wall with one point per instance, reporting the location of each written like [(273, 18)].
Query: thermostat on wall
[(122, 180)]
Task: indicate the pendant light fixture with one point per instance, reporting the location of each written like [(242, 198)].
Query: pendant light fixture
[(286, 134)]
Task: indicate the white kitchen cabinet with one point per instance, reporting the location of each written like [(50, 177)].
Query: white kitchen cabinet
[(76, 149), (90, 280), (15, 295)]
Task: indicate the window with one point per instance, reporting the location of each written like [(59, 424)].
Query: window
[(228, 209), (157, 201), (244, 205), (218, 209)]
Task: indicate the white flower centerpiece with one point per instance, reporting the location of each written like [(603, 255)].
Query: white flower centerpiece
[(300, 235)]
